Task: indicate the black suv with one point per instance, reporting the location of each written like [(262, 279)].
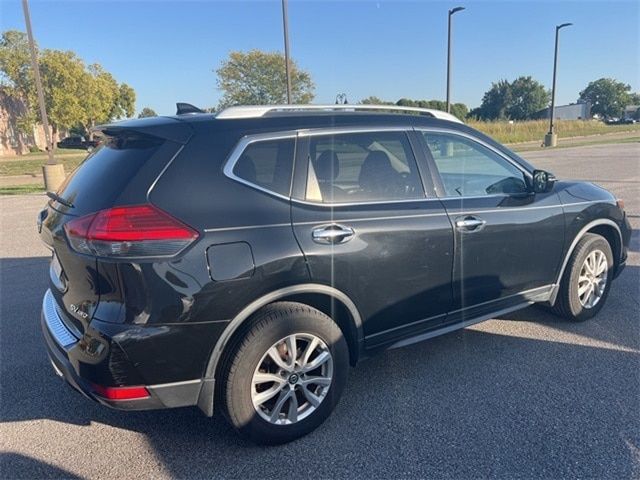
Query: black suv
[(244, 260)]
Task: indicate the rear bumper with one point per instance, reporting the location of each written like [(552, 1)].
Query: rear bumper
[(69, 356)]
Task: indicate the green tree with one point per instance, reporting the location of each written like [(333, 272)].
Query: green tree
[(607, 97), (75, 95), (16, 76), (63, 81), (373, 100), (517, 100), (258, 78), (459, 110), (527, 97), (15, 68), (100, 94), (495, 102), (125, 105), (147, 112)]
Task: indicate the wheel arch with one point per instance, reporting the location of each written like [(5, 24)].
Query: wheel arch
[(603, 226), (328, 300)]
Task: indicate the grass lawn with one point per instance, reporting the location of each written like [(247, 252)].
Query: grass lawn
[(21, 189), (516, 132), (32, 164)]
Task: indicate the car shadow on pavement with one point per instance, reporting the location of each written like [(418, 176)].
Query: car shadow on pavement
[(472, 403), (618, 323), (15, 465)]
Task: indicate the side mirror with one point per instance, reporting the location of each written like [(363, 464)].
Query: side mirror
[(543, 181)]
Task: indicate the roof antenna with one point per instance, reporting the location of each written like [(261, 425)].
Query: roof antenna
[(187, 108)]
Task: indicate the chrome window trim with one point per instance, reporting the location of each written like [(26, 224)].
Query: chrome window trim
[(478, 141), (242, 145), (245, 141)]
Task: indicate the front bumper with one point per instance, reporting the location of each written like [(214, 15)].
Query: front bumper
[(69, 356)]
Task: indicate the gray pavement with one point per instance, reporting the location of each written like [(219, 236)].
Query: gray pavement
[(526, 395)]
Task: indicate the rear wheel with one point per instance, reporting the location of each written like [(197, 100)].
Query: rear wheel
[(587, 279), (283, 376)]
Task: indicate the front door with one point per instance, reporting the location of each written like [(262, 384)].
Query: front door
[(508, 240), (367, 229)]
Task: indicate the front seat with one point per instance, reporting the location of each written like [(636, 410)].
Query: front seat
[(378, 179), (327, 167)]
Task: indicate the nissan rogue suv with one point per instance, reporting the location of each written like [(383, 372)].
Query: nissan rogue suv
[(245, 260)]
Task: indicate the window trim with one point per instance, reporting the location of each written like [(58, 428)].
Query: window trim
[(435, 173), (242, 145), (304, 134)]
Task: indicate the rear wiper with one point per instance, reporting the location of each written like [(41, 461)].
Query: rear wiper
[(59, 199)]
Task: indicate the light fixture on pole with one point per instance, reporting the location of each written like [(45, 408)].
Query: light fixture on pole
[(451, 12), (287, 64), (551, 138), (52, 171)]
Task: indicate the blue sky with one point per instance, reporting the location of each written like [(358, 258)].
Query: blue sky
[(168, 50)]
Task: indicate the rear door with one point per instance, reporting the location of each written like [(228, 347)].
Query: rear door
[(508, 240), (366, 228)]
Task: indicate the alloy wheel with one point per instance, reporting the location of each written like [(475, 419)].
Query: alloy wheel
[(592, 280), (292, 379)]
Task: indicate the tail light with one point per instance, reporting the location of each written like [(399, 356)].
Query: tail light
[(129, 231)]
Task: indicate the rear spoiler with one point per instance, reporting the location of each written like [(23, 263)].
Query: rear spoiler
[(160, 127)]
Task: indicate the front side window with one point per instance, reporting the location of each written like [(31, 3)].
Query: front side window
[(267, 164), (468, 168), (362, 167)]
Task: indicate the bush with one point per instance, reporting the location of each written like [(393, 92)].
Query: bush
[(34, 149)]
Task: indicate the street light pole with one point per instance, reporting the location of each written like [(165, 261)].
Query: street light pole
[(451, 12), (551, 138), (287, 65), (36, 74), (53, 172)]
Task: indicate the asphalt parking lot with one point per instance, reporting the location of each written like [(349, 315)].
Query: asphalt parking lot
[(526, 395)]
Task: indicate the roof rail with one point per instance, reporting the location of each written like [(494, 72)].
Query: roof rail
[(255, 111)]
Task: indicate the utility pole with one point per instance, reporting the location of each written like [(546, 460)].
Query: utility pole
[(451, 12), (287, 65), (551, 138), (53, 172)]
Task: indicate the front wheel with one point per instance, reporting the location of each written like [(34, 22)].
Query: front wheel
[(587, 279), (284, 376)]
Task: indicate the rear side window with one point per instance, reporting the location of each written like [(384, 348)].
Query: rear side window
[(362, 167), (267, 164)]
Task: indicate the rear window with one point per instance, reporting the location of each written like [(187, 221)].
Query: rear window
[(267, 164), (104, 173)]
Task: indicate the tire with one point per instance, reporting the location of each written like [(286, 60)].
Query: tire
[(250, 358), (568, 303)]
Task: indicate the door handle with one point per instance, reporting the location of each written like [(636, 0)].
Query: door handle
[(332, 234), (470, 223)]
